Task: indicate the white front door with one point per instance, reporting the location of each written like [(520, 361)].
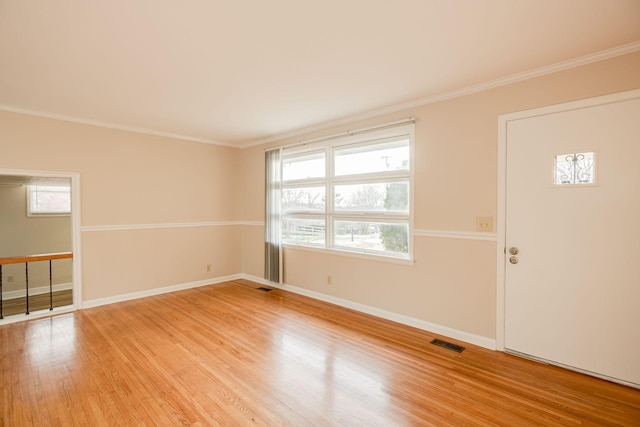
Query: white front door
[(572, 284)]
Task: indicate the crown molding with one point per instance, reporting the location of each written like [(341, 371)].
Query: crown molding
[(419, 102), (514, 78), (116, 126)]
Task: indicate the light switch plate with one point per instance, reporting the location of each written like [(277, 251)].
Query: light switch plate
[(484, 223)]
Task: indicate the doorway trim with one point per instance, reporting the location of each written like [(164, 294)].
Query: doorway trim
[(75, 230), (501, 246)]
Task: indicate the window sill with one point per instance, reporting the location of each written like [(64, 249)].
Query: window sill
[(47, 214)]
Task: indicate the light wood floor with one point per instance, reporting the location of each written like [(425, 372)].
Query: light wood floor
[(36, 302), (231, 355)]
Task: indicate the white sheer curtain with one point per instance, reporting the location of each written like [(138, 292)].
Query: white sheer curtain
[(272, 245)]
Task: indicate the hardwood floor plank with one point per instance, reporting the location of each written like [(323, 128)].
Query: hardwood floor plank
[(228, 354)]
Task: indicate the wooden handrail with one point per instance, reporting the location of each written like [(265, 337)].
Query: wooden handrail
[(33, 258), (26, 260)]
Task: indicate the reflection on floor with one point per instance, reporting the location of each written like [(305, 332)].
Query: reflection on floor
[(231, 355)]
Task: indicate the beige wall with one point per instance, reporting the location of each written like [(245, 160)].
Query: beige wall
[(23, 235), (132, 179), (452, 282)]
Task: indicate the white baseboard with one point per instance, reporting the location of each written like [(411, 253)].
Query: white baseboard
[(20, 293), (157, 291), (478, 340)]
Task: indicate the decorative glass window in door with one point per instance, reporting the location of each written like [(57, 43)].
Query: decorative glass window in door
[(575, 168)]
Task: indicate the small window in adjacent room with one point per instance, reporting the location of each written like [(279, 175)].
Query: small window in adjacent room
[(48, 200)]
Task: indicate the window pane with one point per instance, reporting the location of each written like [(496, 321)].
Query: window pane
[(303, 167), (307, 231), (372, 236), (378, 197), (303, 199), (49, 199), (575, 168), (384, 157)]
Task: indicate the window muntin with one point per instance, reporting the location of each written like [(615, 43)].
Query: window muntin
[(48, 200), (351, 194)]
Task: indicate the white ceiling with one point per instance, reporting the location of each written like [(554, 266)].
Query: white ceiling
[(243, 71)]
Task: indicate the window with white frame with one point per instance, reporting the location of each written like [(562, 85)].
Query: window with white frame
[(48, 200), (351, 194)]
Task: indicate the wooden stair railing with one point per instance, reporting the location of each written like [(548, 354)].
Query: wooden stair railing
[(26, 260)]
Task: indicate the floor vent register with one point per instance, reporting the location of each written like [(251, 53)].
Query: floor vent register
[(448, 345)]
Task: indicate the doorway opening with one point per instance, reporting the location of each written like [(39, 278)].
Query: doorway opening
[(40, 257)]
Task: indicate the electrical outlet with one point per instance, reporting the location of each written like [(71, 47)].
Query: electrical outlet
[(484, 223), (208, 267), (9, 279), (329, 280)]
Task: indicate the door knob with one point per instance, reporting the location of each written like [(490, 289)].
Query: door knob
[(514, 251), (513, 260)]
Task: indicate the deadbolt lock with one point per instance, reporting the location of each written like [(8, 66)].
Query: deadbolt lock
[(514, 251)]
